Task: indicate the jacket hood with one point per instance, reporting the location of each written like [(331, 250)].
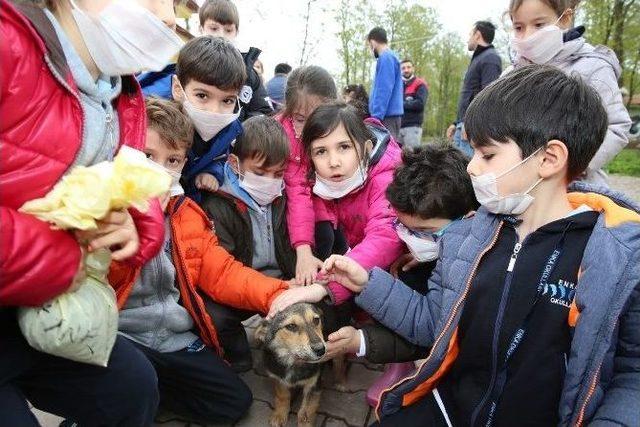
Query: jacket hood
[(385, 151), (232, 187), (616, 207)]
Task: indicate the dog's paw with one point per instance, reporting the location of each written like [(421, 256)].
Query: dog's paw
[(342, 387), (305, 420), (278, 419)]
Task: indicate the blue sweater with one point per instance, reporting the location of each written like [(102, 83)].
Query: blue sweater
[(386, 93)]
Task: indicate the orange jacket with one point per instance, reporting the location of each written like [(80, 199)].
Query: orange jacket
[(202, 266)]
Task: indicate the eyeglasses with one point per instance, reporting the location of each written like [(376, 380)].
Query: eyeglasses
[(430, 235)]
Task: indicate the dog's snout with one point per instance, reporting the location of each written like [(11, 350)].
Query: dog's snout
[(318, 349)]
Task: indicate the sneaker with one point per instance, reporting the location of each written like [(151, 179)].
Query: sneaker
[(393, 372)]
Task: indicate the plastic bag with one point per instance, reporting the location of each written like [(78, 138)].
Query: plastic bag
[(81, 325)]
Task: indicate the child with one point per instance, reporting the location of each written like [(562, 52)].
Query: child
[(162, 308), (429, 193), (353, 162), (307, 88), (543, 33), (220, 18), (533, 309), (209, 76), (248, 213), (357, 96), (61, 108)]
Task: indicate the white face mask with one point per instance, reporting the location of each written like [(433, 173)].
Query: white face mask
[(262, 189), (541, 46), (486, 189), (208, 124), (422, 249), (175, 189), (125, 38), (330, 190)]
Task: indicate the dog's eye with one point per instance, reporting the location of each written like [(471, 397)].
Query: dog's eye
[(292, 327), (316, 321)]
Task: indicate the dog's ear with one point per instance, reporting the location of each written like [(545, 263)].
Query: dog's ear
[(318, 310), (261, 332)]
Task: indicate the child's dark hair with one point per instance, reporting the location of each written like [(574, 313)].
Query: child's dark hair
[(308, 80), (559, 6), (326, 118), (535, 104), (487, 30), (213, 61), (378, 34), (222, 11), (360, 98), (432, 182), (168, 119), (262, 138)]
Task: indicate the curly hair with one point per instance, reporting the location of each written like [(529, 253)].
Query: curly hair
[(432, 182)]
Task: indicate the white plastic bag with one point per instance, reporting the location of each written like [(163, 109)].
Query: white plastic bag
[(80, 325)]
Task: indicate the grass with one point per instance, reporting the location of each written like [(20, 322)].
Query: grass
[(626, 163)]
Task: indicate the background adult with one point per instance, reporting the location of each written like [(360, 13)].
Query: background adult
[(485, 67), (276, 86), (416, 93), (385, 102)]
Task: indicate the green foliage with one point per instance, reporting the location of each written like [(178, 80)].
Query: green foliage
[(415, 33), (626, 163)]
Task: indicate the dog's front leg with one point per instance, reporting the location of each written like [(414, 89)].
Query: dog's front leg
[(339, 365), (281, 405), (309, 406)]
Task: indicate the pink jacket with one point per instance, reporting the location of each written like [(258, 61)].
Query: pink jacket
[(365, 215), (303, 208)]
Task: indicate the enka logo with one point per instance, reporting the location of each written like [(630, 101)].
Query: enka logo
[(561, 293)]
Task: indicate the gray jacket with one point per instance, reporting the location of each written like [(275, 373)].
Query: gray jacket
[(599, 67), (602, 382)]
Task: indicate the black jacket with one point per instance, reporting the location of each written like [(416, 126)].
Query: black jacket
[(257, 104), (232, 224), (385, 346), (485, 67), (416, 94)]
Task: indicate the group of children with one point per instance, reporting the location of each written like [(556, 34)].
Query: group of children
[(521, 298)]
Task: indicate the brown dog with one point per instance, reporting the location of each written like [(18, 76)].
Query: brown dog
[(293, 346)]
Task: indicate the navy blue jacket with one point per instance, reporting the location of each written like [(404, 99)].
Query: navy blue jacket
[(415, 99), (485, 67)]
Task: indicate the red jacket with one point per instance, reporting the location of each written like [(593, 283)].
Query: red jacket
[(203, 266), (41, 126)]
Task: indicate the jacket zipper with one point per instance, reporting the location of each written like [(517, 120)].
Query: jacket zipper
[(185, 280), (59, 78), (592, 389), (449, 320), (496, 333)]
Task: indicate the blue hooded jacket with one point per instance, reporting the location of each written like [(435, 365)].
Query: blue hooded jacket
[(602, 381)]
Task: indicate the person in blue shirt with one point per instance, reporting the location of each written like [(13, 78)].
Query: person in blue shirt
[(276, 86), (386, 100)]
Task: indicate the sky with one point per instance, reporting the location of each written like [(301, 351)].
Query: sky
[(277, 26)]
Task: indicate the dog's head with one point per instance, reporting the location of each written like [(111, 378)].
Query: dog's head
[(294, 335)]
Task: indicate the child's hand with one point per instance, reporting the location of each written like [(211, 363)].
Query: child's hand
[(345, 340), (207, 182), (312, 293), (347, 272), (307, 265), (118, 231), (404, 263)]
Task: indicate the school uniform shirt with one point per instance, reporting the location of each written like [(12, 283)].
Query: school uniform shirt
[(514, 334)]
